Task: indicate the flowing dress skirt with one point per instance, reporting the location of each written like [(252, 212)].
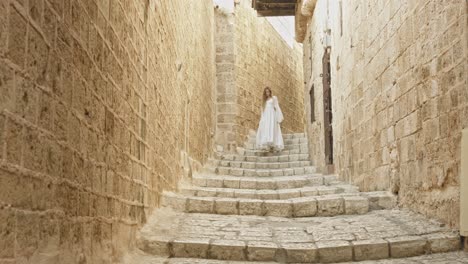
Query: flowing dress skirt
[(269, 134)]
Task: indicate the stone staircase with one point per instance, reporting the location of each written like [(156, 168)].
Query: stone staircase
[(274, 207)]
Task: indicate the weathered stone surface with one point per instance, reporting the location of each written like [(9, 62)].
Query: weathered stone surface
[(370, 249), (261, 251), (372, 236), (156, 245), (174, 201), (334, 251), (226, 206), (407, 246), (330, 206), (227, 250), (444, 242), (281, 208), (399, 103), (200, 205), (452, 258), (250, 207), (237, 115), (300, 253), (303, 207), (356, 205), (93, 120), (191, 248)]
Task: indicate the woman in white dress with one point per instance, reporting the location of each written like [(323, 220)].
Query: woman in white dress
[(269, 135)]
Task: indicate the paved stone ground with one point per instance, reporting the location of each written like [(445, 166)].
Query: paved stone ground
[(445, 258), (252, 207), (383, 224), (375, 235)]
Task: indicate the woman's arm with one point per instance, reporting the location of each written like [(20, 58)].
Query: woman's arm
[(279, 114)]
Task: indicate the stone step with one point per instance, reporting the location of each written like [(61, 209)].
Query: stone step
[(265, 173), (261, 153), (324, 205), (455, 257), (291, 141), (376, 235), (253, 158), (285, 136), (268, 194), (301, 146), (255, 183), (260, 165)]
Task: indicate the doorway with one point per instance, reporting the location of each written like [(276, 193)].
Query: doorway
[(327, 111)]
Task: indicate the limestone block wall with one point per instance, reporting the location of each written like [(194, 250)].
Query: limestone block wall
[(263, 58), (226, 92), (400, 97), (250, 56), (313, 51), (97, 100)]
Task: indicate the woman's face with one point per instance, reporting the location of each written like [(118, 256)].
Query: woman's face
[(268, 92)]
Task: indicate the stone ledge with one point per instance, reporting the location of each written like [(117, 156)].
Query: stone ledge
[(326, 205)]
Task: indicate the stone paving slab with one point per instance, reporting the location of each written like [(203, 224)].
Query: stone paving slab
[(271, 158), (287, 141), (324, 205), (285, 136), (262, 153), (260, 165), (273, 194), (295, 171), (258, 183), (287, 146), (443, 258), (303, 240)]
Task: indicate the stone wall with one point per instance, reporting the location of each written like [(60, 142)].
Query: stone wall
[(98, 99), (250, 56), (400, 97)]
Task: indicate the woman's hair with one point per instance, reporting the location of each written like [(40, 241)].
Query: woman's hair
[(265, 96)]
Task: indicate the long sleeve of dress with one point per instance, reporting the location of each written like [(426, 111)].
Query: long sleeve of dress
[(279, 114)]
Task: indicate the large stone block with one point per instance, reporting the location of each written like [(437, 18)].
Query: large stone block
[(200, 205), (300, 252), (330, 206), (305, 207), (226, 206), (228, 250), (407, 246), (190, 248), (261, 251), (250, 207), (370, 249), (334, 251), (356, 205), (282, 208)]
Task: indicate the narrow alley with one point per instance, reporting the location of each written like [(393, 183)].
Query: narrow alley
[(138, 132)]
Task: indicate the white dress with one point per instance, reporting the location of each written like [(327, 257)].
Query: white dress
[(269, 130)]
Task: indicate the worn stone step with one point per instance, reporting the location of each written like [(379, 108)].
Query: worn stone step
[(291, 141), (262, 153), (324, 205), (265, 173), (268, 194), (300, 146), (253, 158), (375, 235), (456, 257), (271, 183), (260, 165), (285, 136)]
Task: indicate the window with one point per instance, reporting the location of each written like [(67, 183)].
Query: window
[(312, 104)]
